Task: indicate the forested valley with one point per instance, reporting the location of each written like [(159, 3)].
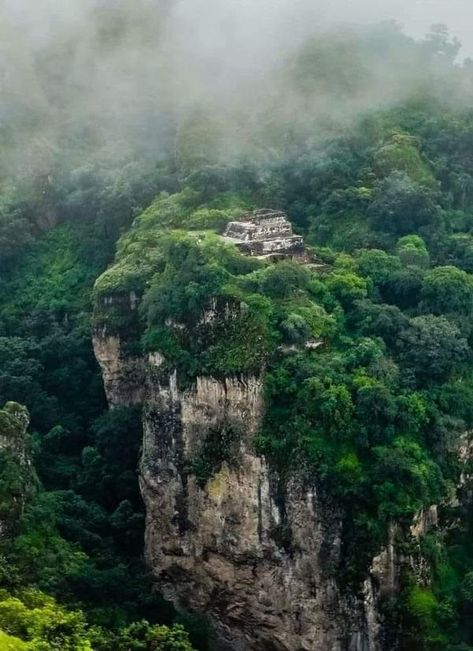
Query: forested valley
[(366, 142)]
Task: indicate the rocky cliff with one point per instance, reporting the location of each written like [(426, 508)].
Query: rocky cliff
[(257, 550), (14, 461), (222, 537)]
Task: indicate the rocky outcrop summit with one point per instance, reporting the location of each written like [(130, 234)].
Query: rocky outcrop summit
[(266, 234), (225, 537)]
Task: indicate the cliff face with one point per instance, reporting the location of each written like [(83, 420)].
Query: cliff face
[(225, 535), (222, 538), (14, 461)]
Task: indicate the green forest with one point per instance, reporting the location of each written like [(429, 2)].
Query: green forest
[(377, 415)]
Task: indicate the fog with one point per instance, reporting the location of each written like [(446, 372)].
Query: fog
[(415, 16), (128, 73)]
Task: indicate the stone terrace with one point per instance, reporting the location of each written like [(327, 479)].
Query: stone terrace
[(266, 234)]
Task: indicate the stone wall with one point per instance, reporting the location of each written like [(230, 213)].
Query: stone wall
[(265, 233)]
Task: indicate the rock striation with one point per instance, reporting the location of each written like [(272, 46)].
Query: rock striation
[(266, 234), (225, 535), (235, 543)]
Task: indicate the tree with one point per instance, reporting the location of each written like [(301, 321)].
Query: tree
[(347, 287), (282, 280), (380, 320), (401, 153), (412, 251), (43, 624), (459, 251), (376, 408), (404, 478), (402, 206), (432, 347), (377, 265), (141, 636), (403, 288), (447, 290), (440, 45), (10, 643)]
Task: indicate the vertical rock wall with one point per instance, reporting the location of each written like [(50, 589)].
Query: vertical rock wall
[(14, 421), (228, 545)]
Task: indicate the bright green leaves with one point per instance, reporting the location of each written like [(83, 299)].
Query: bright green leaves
[(346, 287), (142, 636), (192, 275), (210, 310), (32, 621), (198, 314), (43, 624), (426, 611), (447, 290), (405, 478), (377, 265), (412, 251), (401, 154)]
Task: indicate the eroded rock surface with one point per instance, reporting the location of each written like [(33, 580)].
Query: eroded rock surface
[(232, 545), (14, 421)]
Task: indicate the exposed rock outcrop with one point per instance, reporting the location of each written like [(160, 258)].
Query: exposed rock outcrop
[(14, 421), (225, 535), (229, 543), (123, 373)]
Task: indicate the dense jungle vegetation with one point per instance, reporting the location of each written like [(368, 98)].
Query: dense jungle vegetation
[(378, 415)]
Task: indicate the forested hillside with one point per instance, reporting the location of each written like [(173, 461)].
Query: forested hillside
[(380, 184)]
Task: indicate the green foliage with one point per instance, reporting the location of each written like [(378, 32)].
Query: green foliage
[(412, 251), (282, 280), (346, 287), (423, 605), (143, 637), (402, 206), (401, 154), (432, 347), (366, 362), (42, 623), (208, 219), (32, 621), (377, 265), (78, 534), (10, 643), (219, 447), (447, 290)]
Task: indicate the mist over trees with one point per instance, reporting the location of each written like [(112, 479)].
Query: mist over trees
[(125, 126)]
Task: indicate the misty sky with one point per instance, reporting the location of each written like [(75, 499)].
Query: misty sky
[(224, 56), (416, 15)]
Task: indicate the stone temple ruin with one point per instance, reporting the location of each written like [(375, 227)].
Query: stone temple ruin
[(267, 234)]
